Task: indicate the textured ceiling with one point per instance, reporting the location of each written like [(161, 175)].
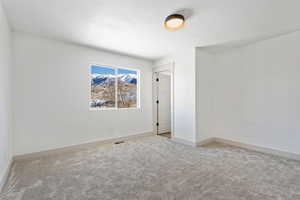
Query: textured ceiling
[(135, 27)]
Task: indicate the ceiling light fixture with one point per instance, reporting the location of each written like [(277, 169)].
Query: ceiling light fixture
[(174, 22)]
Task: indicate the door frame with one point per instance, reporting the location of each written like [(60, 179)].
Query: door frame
[(157, 69)]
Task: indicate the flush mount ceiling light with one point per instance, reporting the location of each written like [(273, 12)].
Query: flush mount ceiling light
[(174, 22)]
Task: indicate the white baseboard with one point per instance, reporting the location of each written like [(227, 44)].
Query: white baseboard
[(81, 146), (183, 141), (206, 141), (5, 175), (251, 147), (275, 152)]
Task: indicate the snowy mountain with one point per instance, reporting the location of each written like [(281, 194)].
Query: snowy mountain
[(108, 79), (127, 78), (102, 79)]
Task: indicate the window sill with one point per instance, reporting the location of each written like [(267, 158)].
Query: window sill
[(113, 109)]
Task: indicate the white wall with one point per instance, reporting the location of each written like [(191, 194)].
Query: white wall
[(5, 95), (184, 94), (256, 95), (52, 96), (205, 82)]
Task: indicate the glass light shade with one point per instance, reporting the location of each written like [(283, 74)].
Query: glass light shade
[(174, 22)]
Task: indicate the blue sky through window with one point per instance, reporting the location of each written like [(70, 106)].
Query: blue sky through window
[(101, 70), (126, 71), (105, 70)]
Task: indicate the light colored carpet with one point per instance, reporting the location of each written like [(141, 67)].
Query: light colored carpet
[(155, 168)]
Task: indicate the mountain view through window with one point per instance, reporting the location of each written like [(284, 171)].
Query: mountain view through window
[(113, 87)]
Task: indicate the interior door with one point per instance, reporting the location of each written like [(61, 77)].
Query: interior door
[(164, 102)]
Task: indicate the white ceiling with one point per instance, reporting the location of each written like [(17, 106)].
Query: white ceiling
[(135, 27)]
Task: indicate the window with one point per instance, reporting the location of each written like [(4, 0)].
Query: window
[(114, 87)]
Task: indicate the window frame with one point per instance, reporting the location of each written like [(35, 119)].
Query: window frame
[(115, 68)]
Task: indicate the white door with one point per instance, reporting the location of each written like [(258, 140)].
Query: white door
[(164, 104)]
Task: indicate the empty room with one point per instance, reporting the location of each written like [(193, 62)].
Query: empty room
[(149, 100)]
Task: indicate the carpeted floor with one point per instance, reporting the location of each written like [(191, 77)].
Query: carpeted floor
[(154, 168)]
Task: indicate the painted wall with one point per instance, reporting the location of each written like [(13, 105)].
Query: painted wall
[(52, 96), (184, 94), (205, 85), (256, 94), (5, 95)]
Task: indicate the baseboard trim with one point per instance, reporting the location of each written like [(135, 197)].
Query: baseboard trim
[(183, 141), (80, 146), (206, 141), (6, 174), (266, 150), (284, 154)]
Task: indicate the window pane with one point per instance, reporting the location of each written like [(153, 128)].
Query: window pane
[(127, 88), (103, 85)]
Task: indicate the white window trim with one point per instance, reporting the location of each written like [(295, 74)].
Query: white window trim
[(115, 67)]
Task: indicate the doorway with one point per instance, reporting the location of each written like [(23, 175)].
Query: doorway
[(163, 103)]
